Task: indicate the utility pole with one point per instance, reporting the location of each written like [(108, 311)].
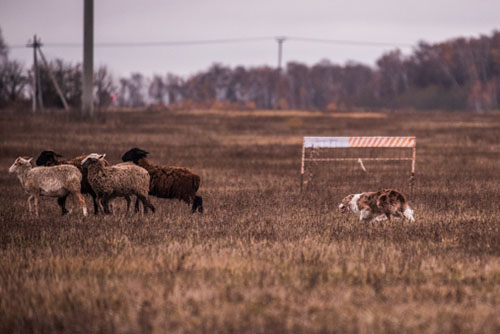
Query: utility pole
[(88, 58), (37, 87), (54, 81), (37, 82), (279, 93), (280, 41)]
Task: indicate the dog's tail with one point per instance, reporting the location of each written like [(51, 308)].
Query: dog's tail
[(408, 213)]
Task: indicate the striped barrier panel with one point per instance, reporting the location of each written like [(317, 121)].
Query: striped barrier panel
[(357, 142), (345, 142)]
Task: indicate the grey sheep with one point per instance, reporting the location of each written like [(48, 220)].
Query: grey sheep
[(57, 181), (122, 180), (169, 182)]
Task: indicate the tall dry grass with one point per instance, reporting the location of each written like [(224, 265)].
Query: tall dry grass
[(263, 258)]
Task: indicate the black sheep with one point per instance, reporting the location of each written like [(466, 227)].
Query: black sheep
[(168, 182)]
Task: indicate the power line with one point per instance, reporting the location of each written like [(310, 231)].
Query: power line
[(220, 41), (187, 42), (348, 42), (156, 43)]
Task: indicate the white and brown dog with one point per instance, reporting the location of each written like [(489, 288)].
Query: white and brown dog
[(377, 206)]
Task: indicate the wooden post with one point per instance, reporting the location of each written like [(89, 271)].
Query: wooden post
[(412, 176), (302, 165), (279, 94), (35, 73), (56, 85), (88, 59), (37, 86), (280, 41)]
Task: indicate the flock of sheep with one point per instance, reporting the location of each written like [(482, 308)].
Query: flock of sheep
[(91, 174), (136, 176)]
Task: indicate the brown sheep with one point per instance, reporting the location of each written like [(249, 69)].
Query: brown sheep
[(169, 182)]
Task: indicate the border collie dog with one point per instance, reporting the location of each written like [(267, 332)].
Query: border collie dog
[(377, 206)]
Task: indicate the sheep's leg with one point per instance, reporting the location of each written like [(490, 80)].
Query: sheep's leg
[(105, 204), (29, 202), (109, 205), (101, 201), (99, 204), (137, 204), (81, 199), (62, 203), (146, 203), (197, 204), (35, 200), (127, 198), (95, 201), (96, 206)]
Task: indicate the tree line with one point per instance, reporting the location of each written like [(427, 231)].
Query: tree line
[(459, 74)]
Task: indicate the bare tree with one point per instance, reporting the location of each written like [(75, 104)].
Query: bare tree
[(157, 89), (131, 91), (13, 80), (175, 88), (12, 77), (3, 48), (104, 87), (136, 87), (392, 73), (68, 77)]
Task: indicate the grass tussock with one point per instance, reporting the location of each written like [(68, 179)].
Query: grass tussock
[(263, 258)]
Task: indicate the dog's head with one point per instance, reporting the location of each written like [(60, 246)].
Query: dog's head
[(345, 204)]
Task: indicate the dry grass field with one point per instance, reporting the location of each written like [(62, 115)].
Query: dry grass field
[(263, 258)]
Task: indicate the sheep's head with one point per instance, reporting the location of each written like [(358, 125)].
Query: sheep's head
[(20, 164), (48, 158), (134, 155), (345, 204), (93, 158)]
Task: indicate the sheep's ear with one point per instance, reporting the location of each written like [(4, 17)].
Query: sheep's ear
[(29, 160), (102, 156)]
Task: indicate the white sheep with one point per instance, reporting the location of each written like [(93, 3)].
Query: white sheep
[(57, 181)]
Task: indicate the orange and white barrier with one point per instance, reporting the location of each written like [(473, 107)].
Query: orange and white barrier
[(339, 142), (353, 142)]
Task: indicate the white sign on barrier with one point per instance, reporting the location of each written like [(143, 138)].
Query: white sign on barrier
[(326, 142)]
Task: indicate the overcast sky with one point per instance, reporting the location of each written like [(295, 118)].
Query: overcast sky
[(132, 21)]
